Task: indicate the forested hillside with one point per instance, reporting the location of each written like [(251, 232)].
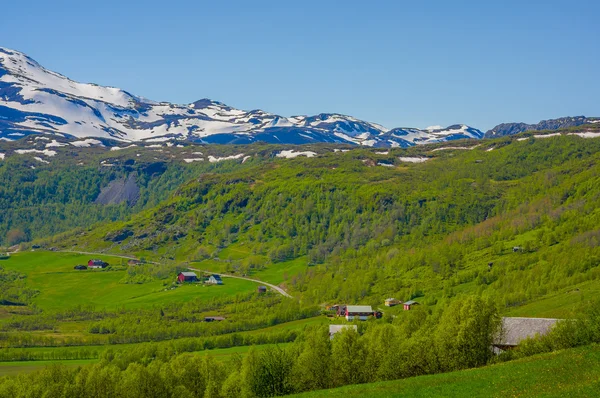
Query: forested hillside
[(51, 187), (516, 218)]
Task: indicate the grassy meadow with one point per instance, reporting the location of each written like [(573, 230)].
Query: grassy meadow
[(60, 286)]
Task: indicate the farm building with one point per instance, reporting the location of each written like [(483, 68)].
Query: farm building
[(214, 280), (333, 329), (97, 264), (515, 330), (390, 302), (187, 277), (262, 289), (409, 304), (133, 262), (361, 312)]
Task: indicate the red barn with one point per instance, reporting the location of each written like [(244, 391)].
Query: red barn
[(187, 277)]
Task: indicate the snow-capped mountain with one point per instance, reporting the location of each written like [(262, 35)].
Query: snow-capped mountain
[(34, 100)]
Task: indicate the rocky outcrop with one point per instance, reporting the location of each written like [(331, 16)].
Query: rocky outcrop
[(119, 191)]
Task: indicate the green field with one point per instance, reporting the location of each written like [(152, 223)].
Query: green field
[(62, 287), (568, 373), (15, 368)]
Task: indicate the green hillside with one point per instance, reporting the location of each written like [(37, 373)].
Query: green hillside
[(360, 232), (568, 373)]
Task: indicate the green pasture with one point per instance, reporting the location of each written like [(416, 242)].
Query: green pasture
[(15, 368), (568, 373), (61, 286)]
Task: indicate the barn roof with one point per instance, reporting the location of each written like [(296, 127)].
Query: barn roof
[(217, 277), (359, 308), (515, 330), (410, 302), (188, 274)]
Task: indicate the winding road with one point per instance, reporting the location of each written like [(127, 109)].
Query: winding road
[(274, 287)]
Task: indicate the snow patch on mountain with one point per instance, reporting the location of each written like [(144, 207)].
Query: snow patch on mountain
[(587, 134), (86, 143), (55, 144), (410, 159), (293, 154), (214, 159), (46, 152)]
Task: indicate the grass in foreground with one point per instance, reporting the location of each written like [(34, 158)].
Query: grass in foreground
[(568, 373)]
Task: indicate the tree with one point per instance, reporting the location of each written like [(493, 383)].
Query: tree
[(466, 332), (312, 370), (348, 355)]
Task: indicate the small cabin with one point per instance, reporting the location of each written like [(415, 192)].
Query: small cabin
[(184, 277), (94, 264), (214, 280), (361, 312), (409, 304), (334, 329), (133, 261), (262, 289), (391, 302)]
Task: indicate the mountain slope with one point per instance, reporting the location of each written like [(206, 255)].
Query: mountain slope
[(36, 100), (364, 232)]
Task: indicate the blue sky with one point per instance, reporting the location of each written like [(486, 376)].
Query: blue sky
[(398, 63)]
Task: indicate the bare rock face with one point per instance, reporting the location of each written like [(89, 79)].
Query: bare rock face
[(119, 191)]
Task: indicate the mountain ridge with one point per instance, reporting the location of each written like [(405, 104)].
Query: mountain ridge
[(504, 129), (34, 99)]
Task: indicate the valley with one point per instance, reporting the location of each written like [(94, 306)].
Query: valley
[(506, 228)]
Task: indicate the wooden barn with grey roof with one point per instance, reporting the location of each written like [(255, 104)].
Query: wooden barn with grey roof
[(515, 330)]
